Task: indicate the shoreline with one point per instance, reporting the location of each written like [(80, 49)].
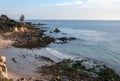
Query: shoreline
[(33, 64), (29, 58), (4, 44), (26, 63)]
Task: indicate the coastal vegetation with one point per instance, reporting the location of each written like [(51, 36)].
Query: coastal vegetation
[(7, 24), (21, 32), (4, 79), (22, 19)]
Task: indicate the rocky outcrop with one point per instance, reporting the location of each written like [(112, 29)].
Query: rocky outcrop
[(71, 70), (63, 40), (31, 38), (56, 30), (3, 67)]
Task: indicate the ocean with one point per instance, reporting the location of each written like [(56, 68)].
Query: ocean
[(96, 40)]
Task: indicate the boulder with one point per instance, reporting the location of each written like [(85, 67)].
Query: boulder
[(16, 29), (3, 67), (56, 30)]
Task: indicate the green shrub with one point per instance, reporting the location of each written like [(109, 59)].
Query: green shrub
[(4, 79)]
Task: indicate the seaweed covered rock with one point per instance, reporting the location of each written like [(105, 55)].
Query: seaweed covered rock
[(69, 70)]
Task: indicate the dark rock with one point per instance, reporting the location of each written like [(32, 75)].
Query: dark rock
[(72, 38), (41, 24), (13, 59), (51, 32), (43, 58), (76, 71), (65, 39), (22, 78), (56, 30), (28, 23)]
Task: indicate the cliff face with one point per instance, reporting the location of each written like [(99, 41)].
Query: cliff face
[(3, 67)]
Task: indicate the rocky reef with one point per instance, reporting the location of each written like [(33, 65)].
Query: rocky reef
[(63, 40), (70, 70)]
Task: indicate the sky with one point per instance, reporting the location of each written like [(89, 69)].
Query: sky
[(62, 9)]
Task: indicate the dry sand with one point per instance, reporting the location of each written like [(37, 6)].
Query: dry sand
[(5, 43)]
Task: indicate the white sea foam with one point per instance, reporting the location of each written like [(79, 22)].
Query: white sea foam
[(57, 53), (98, 45), (100, 40)]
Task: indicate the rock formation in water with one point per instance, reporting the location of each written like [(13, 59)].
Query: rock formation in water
[(56, 30)]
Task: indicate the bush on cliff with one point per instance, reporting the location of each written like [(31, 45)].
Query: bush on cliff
[(7, 24)]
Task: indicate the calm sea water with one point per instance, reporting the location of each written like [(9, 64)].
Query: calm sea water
[(97, 40)]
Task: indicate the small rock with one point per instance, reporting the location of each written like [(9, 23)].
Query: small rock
[(56, 30), (13, 59)]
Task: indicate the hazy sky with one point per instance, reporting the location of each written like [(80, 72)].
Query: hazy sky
[(62, 9)]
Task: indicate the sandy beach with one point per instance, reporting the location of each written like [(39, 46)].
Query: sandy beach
[(25, 61), (4, 44)]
